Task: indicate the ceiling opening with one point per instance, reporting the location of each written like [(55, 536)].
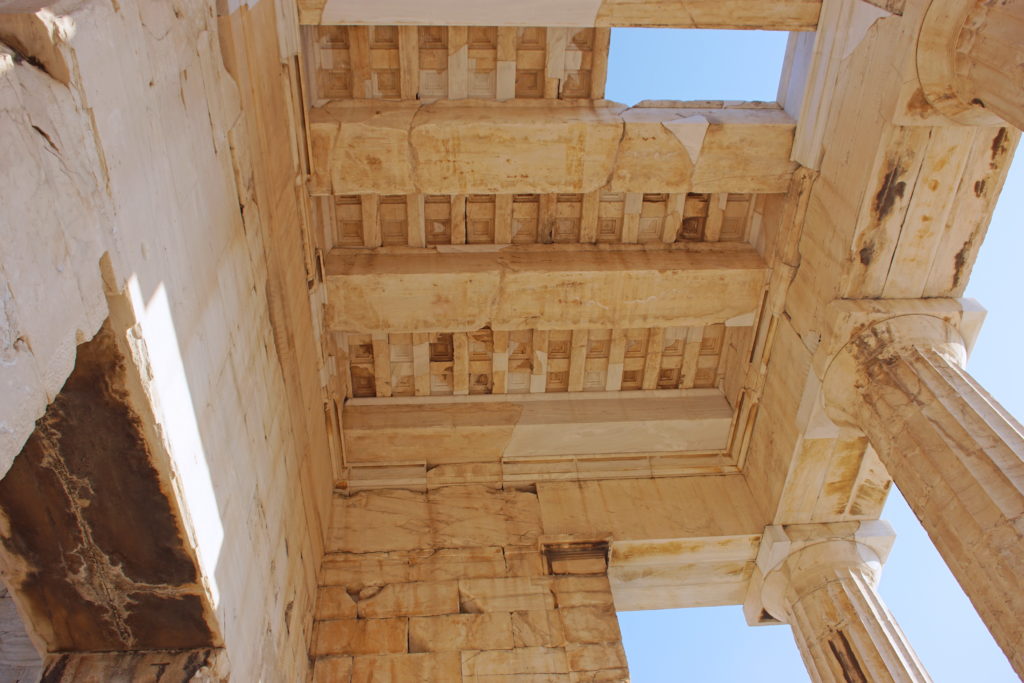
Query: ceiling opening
[(694, 64)]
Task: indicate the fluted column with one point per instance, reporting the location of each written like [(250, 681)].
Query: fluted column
[(953, 451), (971, 60), (821, 579)]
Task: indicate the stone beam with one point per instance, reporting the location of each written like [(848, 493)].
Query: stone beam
[(681, 572), (95, 550), (649, 509), (208, 665), (547, 288), (448, 430), (361, 147), (902, 198), (777, 15)]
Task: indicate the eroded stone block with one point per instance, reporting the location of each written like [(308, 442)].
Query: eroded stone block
[(361, 636), (188, 666), (606, 676), (332, 670), (506, 594), (595, 657), (374, 569), (590, 624), (461, 632), (409, 599), (526, 561), (524, 660), (379, 521), (334, 602), (537, 628), (96, 544), (583, 591), (431, 667)]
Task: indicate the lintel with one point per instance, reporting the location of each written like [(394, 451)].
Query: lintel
[(564, 425), (518, 288), (532, 146)]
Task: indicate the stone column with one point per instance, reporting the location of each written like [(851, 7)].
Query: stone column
[(820, 579), (970, 60), (952, 450)]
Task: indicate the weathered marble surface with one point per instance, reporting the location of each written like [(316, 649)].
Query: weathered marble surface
[(381, 147)]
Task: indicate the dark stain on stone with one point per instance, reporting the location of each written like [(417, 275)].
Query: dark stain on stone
[(29, 39), (847, 658), (19, 55), (918, 104), (156, 666), (55, 670), (870, 497), (196, 661), (978, 102), (999, 144), (180, 624), (891, 190), (866, 254), (979, 187), (161, 669), (960, 262), (46, 137), (107, 564)]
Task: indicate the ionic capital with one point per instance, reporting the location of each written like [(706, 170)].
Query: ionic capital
[(798, 559), (883, 343), (863, 332), (967, 69)]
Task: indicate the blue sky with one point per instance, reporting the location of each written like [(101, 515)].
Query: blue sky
[(714, 644)]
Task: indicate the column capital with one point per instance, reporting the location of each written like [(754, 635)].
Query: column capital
[(845, 320), (950, 49), (796, 559), (853, 367), (859, 330), (936, 63)]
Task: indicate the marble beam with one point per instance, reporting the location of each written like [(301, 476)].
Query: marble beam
[(364, 147), (518, 288), (445, 430)]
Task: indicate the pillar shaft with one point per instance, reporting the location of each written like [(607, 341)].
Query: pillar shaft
[(845, 633), (953, 451)]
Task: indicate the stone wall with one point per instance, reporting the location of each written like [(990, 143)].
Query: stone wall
[(133, 187), (455, 584)]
